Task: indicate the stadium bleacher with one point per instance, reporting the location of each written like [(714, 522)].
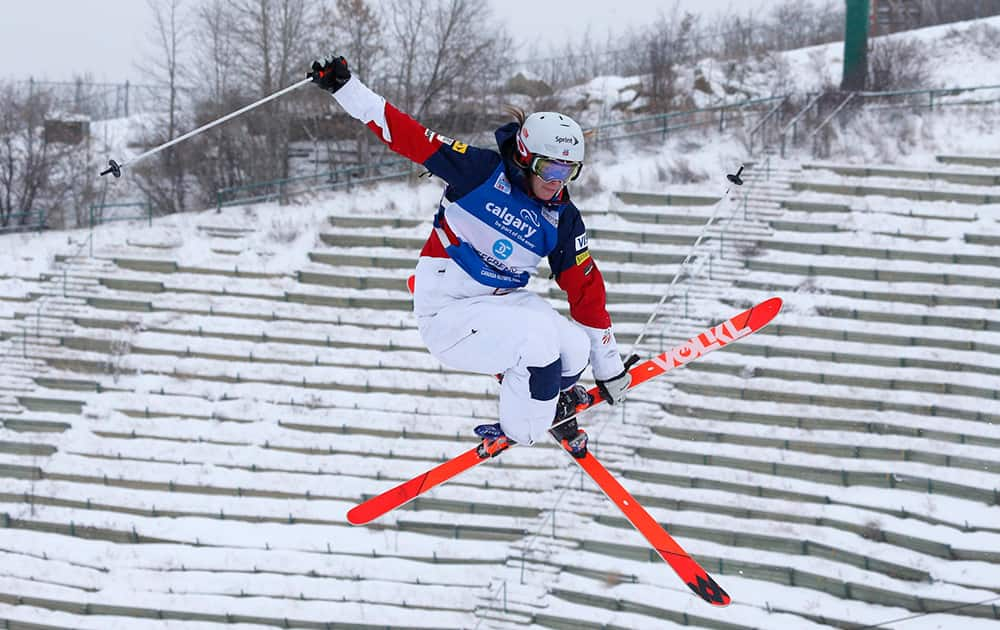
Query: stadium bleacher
[(181, 424)]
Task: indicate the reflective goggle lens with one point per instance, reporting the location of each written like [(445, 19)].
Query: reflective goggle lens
[(555, 170)]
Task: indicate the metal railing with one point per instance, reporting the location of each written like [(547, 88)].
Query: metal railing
[(21, 222), (99, 217), (936, 97), (760, 126), (661, 124), (43, 302), (282, 189), (793, 124), (829, 119), (100, 101), (926, 99), (769, 110)]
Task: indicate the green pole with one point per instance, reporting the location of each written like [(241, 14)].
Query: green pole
[(855, 46)]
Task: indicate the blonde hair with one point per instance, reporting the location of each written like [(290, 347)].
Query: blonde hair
[(517, 113)]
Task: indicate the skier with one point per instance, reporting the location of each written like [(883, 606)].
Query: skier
[(502, 211)]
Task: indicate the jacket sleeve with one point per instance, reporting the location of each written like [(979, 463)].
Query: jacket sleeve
[(577, 274), (459, 164)]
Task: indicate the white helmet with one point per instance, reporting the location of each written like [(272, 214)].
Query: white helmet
[(550, 134)]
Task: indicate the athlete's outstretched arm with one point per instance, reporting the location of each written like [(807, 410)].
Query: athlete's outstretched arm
[(453, 161)]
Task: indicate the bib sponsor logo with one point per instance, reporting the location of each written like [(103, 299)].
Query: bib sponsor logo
[(502, 184), (503, 248), (530, 216), (716, 337), (551, 217), (458, 147), (511, 220), (496, 268)]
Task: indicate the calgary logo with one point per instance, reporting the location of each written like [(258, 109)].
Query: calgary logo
[(530, 216), (567, 140), (508, 219)]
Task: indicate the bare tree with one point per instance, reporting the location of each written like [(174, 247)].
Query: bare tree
[(25, 156), (357, 34), (666, 45), (442, 51), (213, 49), (221, 149), (896, 63), (39, 171), (932, 12), (271, 38), (164, 179), (407, 20)]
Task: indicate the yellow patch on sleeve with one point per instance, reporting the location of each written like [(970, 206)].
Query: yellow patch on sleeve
[(459, 147), (581, 258)]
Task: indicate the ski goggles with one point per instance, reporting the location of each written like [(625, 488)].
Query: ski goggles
[(551, 170)]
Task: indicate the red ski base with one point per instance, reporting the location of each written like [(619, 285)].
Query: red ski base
[(686, 567)]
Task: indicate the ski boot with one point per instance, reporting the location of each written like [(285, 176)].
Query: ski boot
[(495, 440), (569, 400), (569, 434), (572, 438)]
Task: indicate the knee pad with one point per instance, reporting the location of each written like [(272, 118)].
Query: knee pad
[(543, 382)]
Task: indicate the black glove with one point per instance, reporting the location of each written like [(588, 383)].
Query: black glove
[(615, 388), (330, 75)]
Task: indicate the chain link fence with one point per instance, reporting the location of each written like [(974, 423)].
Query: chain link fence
[(99, 101)]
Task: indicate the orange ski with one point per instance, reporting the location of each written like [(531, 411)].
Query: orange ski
[(409, 490), (697, 579)]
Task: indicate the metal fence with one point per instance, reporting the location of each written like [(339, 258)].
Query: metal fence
[(101, 213), (807, 123), (35, 221), (281, 190), (660, 126), (99, 101)]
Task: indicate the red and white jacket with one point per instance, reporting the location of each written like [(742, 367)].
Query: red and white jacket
[(489, 223)]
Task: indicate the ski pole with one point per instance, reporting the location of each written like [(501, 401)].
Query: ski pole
[(115, 168), (733, 179)]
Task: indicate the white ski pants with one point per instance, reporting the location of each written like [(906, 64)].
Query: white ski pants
[(467, 327)]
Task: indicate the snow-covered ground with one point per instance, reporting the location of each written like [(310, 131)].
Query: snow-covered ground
[(233, 429)]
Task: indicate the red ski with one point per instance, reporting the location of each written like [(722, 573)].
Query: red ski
[(407, 491), (697, 579), (734, 328)]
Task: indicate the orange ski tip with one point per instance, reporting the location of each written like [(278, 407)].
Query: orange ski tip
[(773, 304), (356, 516)]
